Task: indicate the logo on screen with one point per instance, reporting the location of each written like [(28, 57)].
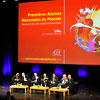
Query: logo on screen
[(57, 31), (56, 52), (87, 29)]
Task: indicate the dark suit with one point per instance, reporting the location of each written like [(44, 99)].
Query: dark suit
[(35, 80), (54, 79), (63, 83), (70, 83), (45, 81), (23, 80), (72, 86), (16, 79)]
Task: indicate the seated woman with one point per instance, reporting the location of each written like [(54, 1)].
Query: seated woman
[(63, 82), (54, 80), (35, 79), (45, 80), (16, 79)]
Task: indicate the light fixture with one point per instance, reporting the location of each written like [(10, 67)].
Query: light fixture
[(4, 1)]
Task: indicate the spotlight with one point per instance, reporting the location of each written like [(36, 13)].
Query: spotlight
[(36, 68), (16, 0), (4, 1), (58, 70), (82, 72)]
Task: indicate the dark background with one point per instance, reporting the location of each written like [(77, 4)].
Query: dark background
[(9, 41)]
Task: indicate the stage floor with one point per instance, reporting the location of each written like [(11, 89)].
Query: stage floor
[(84, 93)]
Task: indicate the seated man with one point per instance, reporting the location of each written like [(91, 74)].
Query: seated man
[(45, 80), (72, 85), (35, 79), (70, 81), (63, 82), (16, 79), (54, 80), (25, 79)]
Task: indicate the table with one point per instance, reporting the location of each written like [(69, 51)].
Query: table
[(26, 87), (59, 90), (39, 88)]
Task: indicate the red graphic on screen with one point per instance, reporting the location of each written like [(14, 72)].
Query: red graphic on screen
[(41, 32), (59, 32)]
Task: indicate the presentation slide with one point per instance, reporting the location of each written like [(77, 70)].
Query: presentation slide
[(59, 32)]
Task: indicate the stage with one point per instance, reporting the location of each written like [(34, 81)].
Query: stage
[(50, 46), (84, 93)]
